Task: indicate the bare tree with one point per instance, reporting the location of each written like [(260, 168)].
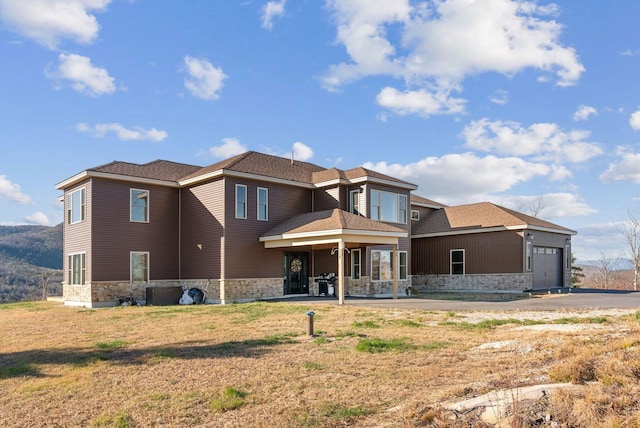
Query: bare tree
[(605, 267), (532, 205), (630, 228)]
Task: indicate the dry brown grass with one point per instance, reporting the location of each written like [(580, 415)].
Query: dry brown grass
[(253, 365)]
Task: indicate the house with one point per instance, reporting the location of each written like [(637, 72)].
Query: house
[(257, 226), (484, 246), (250, 227)]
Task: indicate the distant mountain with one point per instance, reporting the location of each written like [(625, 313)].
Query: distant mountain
[(30, 262)]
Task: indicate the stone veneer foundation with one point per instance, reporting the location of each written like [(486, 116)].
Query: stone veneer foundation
[(489, 282)]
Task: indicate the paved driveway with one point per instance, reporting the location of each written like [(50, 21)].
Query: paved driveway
[(582, 299)]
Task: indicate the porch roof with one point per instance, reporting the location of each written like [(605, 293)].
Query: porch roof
[(331, 226)]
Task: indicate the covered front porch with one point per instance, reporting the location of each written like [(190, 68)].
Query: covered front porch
[(333, 233)]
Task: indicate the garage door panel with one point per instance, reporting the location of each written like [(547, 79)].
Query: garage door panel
[(547, 267)]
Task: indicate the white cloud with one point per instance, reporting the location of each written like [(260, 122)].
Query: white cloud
[(593, 238), (500, 97), (584, 112), (48, 22), (465, 178), (229, 148), (434, 45), (543, 141), (85, 78), (419, 102), (634, 120), (626, 169), (39, 218), (302, 152), (270, 11), (100, 130), (12, 192), (205, 81), (552, 205)]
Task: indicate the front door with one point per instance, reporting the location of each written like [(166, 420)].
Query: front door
[(296, 273)]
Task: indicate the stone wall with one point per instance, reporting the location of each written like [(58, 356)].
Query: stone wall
[(488, 282), (363, 287), (248, 289)]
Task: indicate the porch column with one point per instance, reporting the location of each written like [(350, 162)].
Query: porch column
[(394, 269), (341, 272)]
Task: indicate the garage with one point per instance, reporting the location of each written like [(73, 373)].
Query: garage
[(547, 267)]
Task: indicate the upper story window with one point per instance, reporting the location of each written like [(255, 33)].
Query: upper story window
[(354, 201), (76, 210), (415, 215), (241, 201), (457, 262), (263, 204), (389, 207), (139, 206)]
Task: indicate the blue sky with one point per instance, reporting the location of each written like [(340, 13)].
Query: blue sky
[(525, 104)]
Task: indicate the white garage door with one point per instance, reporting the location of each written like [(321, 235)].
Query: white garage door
[(547, 267)]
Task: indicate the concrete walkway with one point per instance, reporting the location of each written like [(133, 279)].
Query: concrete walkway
[(576, 300)]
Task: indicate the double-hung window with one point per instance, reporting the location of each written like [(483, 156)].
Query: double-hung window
[(241, 201), (355, 264), (76, 268), (354, 201), (382, 265), (139, 266), (389, 207), (457, 262), (139, 206), (76, 210), (263, 204)]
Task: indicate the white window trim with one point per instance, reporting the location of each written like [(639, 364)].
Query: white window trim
[(353, 209), (356, 254), (266, 192), (82, 207), (401, 207), (148, 210), (415, 215), (245, 201), (83, 268), (464, 261), (148, 267), (529, 256), (567, 256)]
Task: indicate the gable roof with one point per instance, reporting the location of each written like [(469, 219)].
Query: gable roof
[(424, 202), (480, 217), (249, 165)]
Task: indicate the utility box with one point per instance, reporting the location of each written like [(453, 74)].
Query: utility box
[(163, 296)]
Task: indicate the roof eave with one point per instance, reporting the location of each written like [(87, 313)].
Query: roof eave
[(109, 176)]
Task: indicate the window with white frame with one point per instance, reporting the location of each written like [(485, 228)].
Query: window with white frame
[(567, 252), (139, 206), (457, 262), (528, 255), (241, 201), (415, 215), (355, 264), (76, 209), (389, 207), (139, 266), (76, 268), (382, 265), (354, 201), (263, 204)]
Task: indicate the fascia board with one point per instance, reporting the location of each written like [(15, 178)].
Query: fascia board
[(419, 204), (340, 233), (299, 242), (493, 229), (382, 181), (108, 176), (245, 175)]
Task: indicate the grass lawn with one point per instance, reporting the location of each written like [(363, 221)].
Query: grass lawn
[(253, 365)]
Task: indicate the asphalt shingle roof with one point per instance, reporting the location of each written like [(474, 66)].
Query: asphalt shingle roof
[(477, 216), (158, 169)]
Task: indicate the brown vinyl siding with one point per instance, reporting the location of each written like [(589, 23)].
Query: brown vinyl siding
[(327, 198), (485, 253), (115, 236), (246, 256), (202, 234), (77, 236)]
